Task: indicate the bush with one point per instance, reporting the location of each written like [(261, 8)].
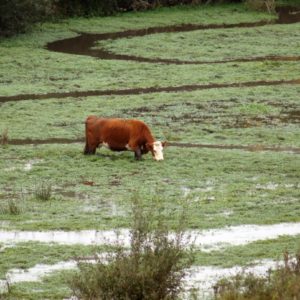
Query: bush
[(283, 283), (152, 269), (261, 5), (17, 15)]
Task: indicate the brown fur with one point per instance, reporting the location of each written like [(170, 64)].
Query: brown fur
[(118, 133)]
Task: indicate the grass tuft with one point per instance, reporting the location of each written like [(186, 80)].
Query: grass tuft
[(11, 207), (4, 137), (43, 191)]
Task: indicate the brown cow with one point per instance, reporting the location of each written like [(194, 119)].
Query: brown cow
[(121, 135)]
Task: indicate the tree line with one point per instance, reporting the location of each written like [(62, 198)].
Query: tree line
[(16, 16)]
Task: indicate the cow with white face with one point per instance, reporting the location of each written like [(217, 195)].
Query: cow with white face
[(121, 135), (156, 149)]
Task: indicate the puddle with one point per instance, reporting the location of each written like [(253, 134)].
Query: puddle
[(200, 278), (84, 237), (273, 186), (37, 272), (203, 278), (26, 167), (206, 240)]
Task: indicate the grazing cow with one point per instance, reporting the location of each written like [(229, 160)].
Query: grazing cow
[(121, 135)]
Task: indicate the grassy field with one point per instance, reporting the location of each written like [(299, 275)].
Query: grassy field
[(217, 187)]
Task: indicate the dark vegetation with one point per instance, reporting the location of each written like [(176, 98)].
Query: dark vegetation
[(152, 268), (16, 16), (283, 283)]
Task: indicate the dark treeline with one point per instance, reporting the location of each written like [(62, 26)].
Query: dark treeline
[(16, 16)]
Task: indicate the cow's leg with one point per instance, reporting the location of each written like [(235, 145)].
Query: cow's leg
[(138, 153), (90, 148)]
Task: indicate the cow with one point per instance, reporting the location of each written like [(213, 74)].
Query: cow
[(121, 135)]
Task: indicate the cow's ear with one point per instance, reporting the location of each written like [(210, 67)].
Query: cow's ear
[(164, 143)]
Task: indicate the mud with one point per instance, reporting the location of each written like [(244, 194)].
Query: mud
[(150, 90), (172, 144), (82, 44)]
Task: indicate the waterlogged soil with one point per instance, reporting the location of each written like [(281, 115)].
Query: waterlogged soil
[(206, 240), (202, 278), (253, 148), (83, 45), (150, 90)]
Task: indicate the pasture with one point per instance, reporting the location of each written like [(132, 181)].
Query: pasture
[(224, 93)]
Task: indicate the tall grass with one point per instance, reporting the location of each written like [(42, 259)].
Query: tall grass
[(11, 207), (4, 137), (152, 268), (43, 191)]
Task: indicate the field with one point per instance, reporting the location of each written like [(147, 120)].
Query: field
[(220, 83)]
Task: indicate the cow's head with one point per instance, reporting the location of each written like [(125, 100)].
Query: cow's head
[(156, 149)]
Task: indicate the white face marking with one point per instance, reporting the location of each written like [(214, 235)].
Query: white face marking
[(158, 150), (127, 147)]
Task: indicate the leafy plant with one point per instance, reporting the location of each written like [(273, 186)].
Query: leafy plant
[(152, 268)]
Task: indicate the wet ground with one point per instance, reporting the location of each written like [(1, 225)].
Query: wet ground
[(172, 144), (83, 43), (206, 240)]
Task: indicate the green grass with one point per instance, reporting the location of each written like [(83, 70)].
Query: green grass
[(245, 255), (238, 182), (28, 68), (212, 45), (221, 187), (216, 116)]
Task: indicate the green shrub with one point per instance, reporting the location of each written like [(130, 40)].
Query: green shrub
[(261, 5), (282, 284), (151, 269), (17, 15)]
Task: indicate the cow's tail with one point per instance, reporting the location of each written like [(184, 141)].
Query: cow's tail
[(86, 148)]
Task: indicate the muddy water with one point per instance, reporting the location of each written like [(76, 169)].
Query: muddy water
[(171, 144), (206, 240), (137, 91), (82, 44)]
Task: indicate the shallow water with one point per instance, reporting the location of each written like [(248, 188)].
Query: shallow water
[(206, 240), (201, 278)]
